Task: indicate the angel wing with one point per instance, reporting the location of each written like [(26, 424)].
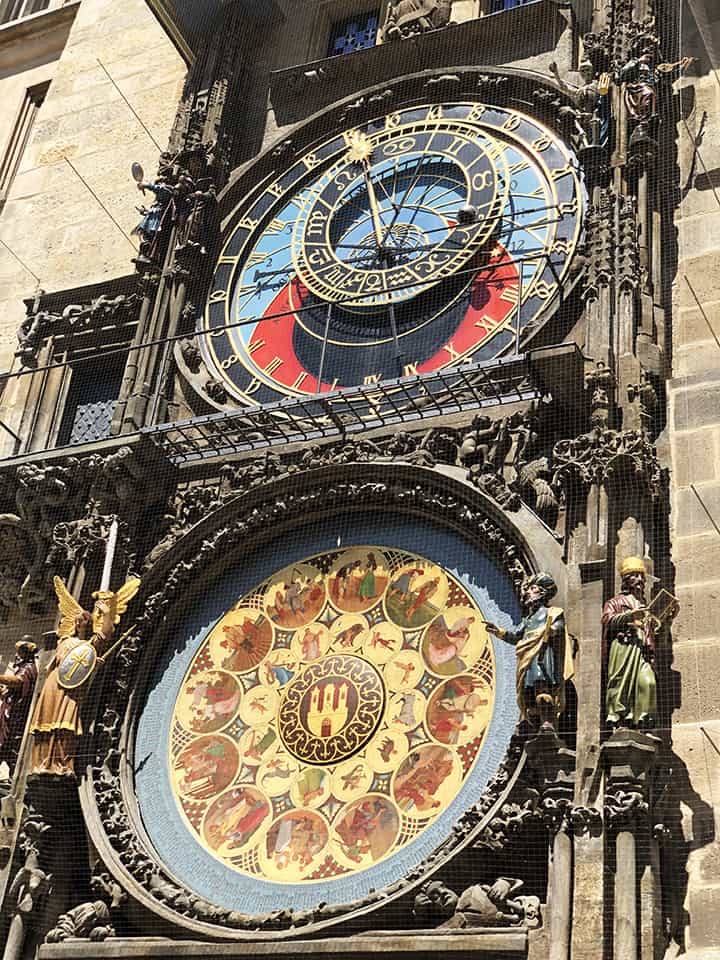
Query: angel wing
[(124, 596), (69, 609)]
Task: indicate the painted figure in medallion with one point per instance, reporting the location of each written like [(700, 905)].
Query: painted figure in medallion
[(206, 767), (544, 655), (416, 596), (457, 708), (296, 598), (245, 644), (234, 819), (213, 699), (295, 840), (57, 724), (452, 642), (16, 690), (358, 581), (420, 779), (367, 829), (629, 648)]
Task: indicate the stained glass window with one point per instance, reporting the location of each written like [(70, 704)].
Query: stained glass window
[(357, 32), (497, 6), (91, 403)]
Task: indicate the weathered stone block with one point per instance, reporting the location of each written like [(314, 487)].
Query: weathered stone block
[(696, 405), (697, 512), (699, 616), (696, 558), (695, 456)]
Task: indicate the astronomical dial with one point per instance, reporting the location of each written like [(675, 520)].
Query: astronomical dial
[(434, 236)]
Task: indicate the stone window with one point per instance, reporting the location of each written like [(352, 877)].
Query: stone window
[(355, 32), (17, 9), (20, 136), (91, 400), (497, 6)]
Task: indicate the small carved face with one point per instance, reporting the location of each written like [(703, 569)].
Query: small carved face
[(435, 900), (83, 622), (533, 595), (587, 71), (634, 583)]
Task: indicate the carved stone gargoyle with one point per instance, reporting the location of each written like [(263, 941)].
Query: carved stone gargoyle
[(406, 18), (482, 905)]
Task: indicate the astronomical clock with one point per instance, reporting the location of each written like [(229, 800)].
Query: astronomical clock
[(313, 732), (437, 235), (323, 723)]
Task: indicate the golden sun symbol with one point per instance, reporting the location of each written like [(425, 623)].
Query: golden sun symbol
[(361, 150)]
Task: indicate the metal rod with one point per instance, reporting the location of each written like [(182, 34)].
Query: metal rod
[(23, 265), (518, 318), (129, 105), (707, 512), (90, 190), (321, 371), (702, 311)]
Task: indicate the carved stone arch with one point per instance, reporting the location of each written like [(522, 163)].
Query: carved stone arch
[(439, 497)]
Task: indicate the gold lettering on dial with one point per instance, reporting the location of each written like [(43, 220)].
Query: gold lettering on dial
[(450, 347), (488, 324), (273, 366)]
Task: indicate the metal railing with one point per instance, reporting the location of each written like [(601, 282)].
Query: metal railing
[(347, 413)]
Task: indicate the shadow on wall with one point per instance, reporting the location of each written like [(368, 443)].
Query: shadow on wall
[(676, 843)]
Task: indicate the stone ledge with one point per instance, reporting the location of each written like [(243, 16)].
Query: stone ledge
[(517, 35), (480, 944), (16, 31)]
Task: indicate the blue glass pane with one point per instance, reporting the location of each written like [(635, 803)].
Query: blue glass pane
[(91, 403), (356, 33), (497, 6)]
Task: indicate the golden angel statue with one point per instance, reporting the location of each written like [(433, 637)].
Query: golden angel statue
[(83, 640)]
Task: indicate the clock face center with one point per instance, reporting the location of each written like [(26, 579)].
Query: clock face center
[(391, 204), (332, 710)]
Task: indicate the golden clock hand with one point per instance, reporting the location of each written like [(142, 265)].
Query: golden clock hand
[(361, 151), (374, 206)]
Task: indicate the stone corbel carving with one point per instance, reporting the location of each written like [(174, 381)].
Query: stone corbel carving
[(93, 920), (192, 367), (482, 905), (605, 456), (599, 384), (38, 325)]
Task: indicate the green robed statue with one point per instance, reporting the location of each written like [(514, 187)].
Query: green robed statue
[(630, 629)]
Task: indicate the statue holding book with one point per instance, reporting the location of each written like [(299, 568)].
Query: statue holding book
[(630, 629)]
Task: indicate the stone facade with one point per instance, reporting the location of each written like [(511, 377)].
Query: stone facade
[(84, 120)]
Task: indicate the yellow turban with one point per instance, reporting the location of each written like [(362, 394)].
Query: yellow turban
[(632, 565)]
